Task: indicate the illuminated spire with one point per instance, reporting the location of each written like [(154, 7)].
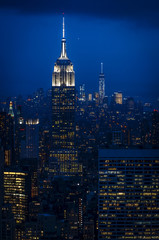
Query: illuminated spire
[(63, 27), (101, 85), (101, 68), (63, 42)]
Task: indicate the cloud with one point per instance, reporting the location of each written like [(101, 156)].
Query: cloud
[(144, 11)]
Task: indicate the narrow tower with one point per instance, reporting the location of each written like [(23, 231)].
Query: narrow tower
[(101, 85), (63, 114)]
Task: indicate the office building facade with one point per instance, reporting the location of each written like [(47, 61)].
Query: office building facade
[(16, 193), (128, 195)]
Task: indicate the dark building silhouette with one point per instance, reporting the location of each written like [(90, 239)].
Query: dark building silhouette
[(1, 184), (155, 128), (7, 137), (8, 223)]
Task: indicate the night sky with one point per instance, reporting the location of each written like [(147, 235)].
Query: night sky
[(122, 34)]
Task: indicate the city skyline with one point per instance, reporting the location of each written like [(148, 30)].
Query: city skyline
[(127, 45), (75, 163)]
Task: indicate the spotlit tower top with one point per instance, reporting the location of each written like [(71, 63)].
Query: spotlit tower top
[(63, 74)]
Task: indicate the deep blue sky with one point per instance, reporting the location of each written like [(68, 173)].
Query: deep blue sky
[(122, 34)]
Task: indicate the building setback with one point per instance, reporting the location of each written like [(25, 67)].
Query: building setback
[(63, 156)]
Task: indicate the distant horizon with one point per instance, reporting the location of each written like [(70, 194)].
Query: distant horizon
[(143, 99)]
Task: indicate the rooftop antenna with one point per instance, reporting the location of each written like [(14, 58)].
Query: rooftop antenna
[(102, 68), (63, 26)]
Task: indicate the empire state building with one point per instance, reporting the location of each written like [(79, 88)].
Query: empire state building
[(63, 151)]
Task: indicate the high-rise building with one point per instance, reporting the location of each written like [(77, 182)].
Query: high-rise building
[(90, 97), (32, 138), (1, 184), (63, 114), (82, 94), (16, 193), (118, 97), (128, 197), (155, 128), (8, 223), (130, 104), (88, 230), (11, 113), (19, 134), (101, 85), (7, 137)]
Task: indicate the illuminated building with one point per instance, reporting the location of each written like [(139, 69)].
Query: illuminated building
[(11, 113), (16, 193), (63, 114), (128, 200), (80, 212), (32, 138), (89, 97), (118, 97), (105, 102), (82, 94), (101, 85), (96, 98)]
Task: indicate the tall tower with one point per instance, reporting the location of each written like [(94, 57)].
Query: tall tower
[(101, 85), (63, 114)]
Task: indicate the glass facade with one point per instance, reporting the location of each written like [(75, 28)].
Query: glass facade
[(128, 199), (16, 194)]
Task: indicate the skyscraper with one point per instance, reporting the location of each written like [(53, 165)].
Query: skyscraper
[(11, 113), (7, 137), (128, 197), (32, 138), (63, 113), (101, 85), (16, 193), (1, 184), (82, 94)]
